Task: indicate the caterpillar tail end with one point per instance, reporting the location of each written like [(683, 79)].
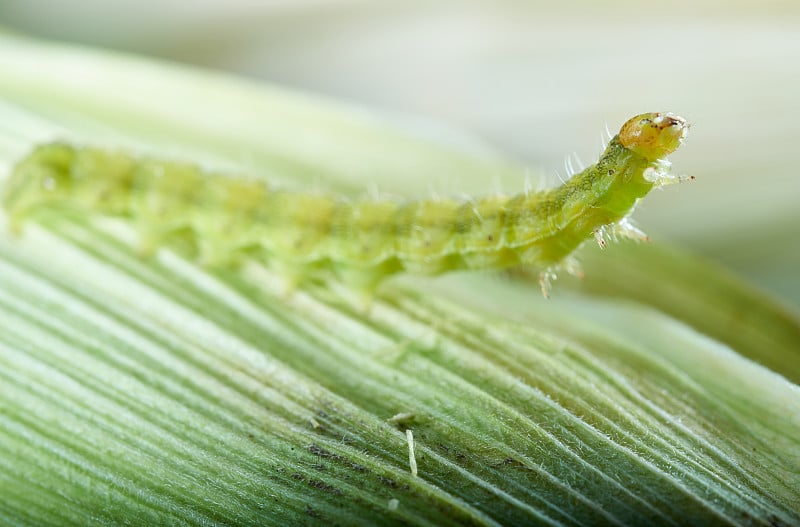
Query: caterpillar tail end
[(39, 180)]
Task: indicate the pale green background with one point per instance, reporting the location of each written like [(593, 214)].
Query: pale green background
[(535, 80)]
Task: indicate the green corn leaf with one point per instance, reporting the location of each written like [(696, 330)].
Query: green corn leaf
[(152, 391)]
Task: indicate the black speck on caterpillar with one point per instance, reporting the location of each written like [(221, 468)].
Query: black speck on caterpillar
[(360, 242)]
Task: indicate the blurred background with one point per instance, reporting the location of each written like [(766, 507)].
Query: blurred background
[(537, 81)]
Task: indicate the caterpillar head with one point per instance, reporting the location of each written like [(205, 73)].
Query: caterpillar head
[(653, 135), (40, 179)]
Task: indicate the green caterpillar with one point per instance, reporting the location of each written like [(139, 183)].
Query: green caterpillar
[(361, 242)]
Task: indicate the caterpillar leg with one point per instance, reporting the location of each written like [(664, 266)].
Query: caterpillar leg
[(14, 224), (625, 229), (569, 265), (292, 274), (149, 241), (273, 277), (153, 235), (664, 179), (572, 266), (364, 281), (214, 253), (546, 278), (600, 237), (621, 229)]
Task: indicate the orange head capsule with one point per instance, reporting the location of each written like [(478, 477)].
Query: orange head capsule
[(653, 135)]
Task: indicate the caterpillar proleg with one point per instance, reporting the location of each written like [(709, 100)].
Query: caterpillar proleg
[(360, 242)]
